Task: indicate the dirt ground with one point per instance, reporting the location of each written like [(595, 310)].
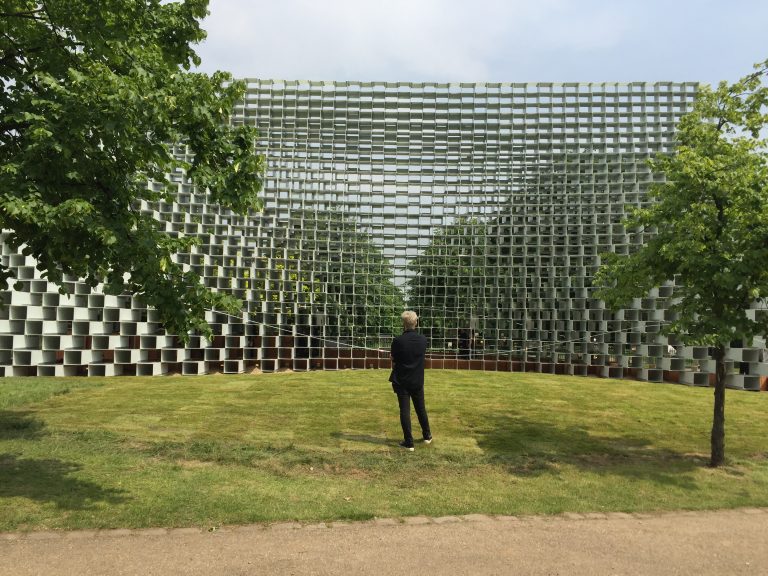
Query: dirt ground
[(729, 542)]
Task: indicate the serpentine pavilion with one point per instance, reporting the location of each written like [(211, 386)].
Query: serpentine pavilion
[(483, 207)]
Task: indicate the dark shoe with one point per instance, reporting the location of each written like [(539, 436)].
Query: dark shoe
[(407, 446), (427, 440)]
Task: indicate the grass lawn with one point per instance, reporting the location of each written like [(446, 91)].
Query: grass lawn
[(212, 450)]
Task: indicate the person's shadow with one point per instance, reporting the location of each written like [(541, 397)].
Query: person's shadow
[(366, 438)]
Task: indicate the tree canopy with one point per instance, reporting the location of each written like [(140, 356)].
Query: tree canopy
[(335, 269), (455, 279), (96, 97), (710, 219)]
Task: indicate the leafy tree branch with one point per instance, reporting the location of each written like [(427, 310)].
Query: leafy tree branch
[(711, 223), (96, 96)]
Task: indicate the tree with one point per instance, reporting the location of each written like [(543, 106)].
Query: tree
[(335, 270), (456, 278), (97, 95), (356, 280), (710, 219)]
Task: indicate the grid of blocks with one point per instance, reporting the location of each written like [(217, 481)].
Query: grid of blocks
[(483, 207)]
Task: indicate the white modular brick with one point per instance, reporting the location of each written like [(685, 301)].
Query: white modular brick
[(498, 197)]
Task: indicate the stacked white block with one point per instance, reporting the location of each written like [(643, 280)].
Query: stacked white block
[(485, 207)]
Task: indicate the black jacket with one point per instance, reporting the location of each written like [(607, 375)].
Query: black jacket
[(408, 351)]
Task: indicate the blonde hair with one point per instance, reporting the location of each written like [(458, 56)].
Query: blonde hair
[(409, 319)]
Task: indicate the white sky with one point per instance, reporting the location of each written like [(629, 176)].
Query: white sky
[(486, 40)]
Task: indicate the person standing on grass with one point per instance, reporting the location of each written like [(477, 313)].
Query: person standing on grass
[(407, 377)]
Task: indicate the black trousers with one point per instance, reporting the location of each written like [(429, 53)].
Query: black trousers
[(404, 398)]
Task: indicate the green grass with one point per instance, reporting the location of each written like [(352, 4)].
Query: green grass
[(206, 451)]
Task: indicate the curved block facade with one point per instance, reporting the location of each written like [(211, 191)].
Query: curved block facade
[(484, 207)]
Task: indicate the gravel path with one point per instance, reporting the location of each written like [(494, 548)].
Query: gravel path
[(728, 542)]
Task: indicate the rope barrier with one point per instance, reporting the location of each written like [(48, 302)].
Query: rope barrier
[(337, 341)]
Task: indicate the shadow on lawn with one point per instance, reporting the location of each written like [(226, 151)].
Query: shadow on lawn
[(50, 481), (365, 438), (532, 448), (19, 424)]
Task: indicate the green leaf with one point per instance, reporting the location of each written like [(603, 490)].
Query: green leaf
[(96, 115)]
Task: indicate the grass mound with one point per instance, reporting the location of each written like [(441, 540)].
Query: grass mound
[(212, 450)]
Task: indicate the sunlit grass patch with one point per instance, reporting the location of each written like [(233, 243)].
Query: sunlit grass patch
[(323, 446)]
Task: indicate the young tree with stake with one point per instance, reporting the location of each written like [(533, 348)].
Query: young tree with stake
[(710, 219)]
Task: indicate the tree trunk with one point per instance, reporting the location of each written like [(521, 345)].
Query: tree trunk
[(717, 457)]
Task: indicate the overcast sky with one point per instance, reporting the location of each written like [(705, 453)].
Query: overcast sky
[(486, 40)]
